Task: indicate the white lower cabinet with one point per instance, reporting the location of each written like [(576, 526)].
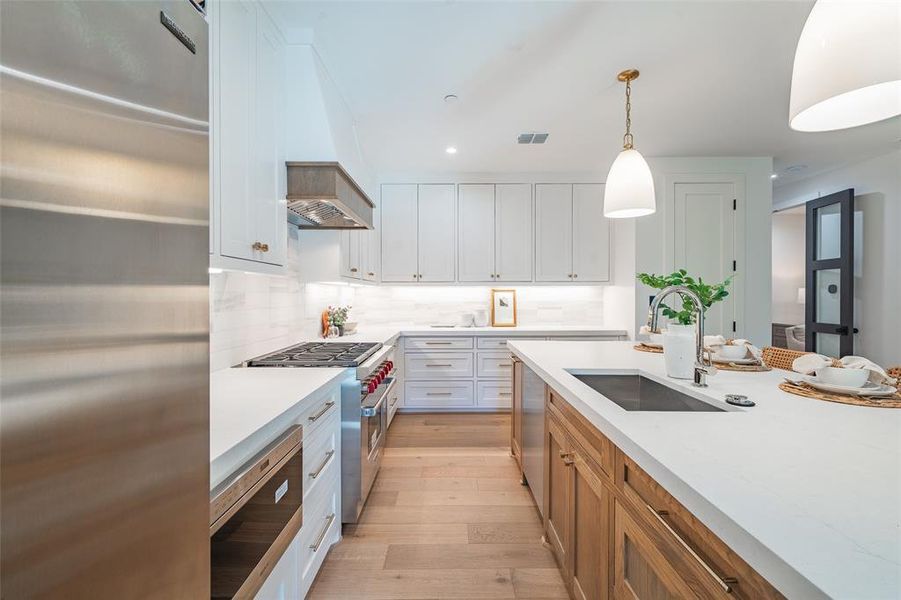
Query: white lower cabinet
[(438, 394), (494, 394), (494, 365), (321, 528), (431, 365)]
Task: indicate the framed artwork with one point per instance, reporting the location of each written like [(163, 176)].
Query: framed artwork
[(503, 308)]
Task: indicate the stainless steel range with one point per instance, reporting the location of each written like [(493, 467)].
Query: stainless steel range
[(364, 407)]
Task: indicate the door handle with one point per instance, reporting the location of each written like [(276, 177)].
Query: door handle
[(322, 411), (328, 523), (328, 459)]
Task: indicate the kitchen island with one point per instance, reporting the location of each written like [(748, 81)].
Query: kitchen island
[(806, 492)]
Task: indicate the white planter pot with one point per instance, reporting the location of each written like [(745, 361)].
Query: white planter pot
[(679, 349)]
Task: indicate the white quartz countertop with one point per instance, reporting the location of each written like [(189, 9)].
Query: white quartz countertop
[(808, 492), (386, 334), (248, 407)]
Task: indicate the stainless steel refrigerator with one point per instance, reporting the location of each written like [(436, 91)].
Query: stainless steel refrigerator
[(104, 326)]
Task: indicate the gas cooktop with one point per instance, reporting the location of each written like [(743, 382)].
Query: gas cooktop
[(318, 354)]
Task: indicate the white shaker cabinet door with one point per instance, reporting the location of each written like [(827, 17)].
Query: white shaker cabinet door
[(437, 233), (591, 234), (236, 67), (269, 184), (475, 213), (351, 252), (399, 233), (513, 232), (553, 232), (369, 249)]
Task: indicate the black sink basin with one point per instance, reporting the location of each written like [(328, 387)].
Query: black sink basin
[(637, 393)]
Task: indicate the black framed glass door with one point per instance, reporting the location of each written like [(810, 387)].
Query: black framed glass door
[(829, 316)]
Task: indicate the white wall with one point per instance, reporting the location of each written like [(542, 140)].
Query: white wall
[(654, 236), (788, 267), (877, 283)]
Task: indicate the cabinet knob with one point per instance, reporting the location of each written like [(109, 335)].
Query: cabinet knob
[(257, 246), (353, 269), (497, 275), (371, 274), (570, 275), (420, 275), (575, 275)]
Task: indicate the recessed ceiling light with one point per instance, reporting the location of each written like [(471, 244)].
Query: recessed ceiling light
[(795, 168), (451, 149), (450, 98), (774, 175)]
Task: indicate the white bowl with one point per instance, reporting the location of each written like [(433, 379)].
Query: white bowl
[(845, 377), (731, 352)]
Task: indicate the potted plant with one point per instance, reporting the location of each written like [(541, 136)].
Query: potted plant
[(337, 316), (679, 340)]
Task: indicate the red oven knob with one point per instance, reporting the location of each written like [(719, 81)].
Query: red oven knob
[(371, 385)]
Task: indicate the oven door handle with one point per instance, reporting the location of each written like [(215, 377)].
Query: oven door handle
[(371, 409)]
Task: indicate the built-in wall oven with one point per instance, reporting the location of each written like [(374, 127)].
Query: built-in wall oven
[(254, 515)]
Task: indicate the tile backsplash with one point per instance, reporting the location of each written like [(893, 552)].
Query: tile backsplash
[(252, 314)]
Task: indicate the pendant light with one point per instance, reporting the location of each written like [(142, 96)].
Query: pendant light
[(629, 189), (847, 69)]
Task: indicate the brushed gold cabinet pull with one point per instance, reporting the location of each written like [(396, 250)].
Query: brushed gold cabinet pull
[(437, 393), (328, 459), (322, 411), (353, 269), (438, 365), (575, 275), (570, 275), (567, 458), (722, 581), (257, 246), (504, 365), (328, 523), (371, 274), (264, 247)]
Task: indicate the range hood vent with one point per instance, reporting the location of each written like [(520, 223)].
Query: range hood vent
[(321, 195)]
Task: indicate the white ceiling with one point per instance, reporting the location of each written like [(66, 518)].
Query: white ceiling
[(715, 80)]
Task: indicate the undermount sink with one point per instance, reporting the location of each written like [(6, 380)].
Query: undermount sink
[(637, 393)]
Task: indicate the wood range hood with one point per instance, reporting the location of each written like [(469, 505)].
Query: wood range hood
[(322, 195)]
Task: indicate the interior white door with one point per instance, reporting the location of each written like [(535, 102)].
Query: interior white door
[(513, 232), (475, 232), (553, 231), (591, 234), (268, 152), (236, 70), (704, 239), (437, 235), (399, 238)]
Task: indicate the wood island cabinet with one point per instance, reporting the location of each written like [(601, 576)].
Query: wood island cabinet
[(617, 533)]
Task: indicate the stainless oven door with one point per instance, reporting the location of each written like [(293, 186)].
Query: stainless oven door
[(373, 427)]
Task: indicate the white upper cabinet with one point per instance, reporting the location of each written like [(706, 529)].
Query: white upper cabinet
[(476, 228), (350, 253), (248, 168), (399, 237), (591, 234), (513, 232), (553, 232), (437, 234), (232, 132), (369, 249)]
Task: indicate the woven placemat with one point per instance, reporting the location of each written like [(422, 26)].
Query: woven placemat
[(809, 392), (643, 348)]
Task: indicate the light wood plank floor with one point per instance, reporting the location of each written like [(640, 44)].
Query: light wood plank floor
[(447, 518)]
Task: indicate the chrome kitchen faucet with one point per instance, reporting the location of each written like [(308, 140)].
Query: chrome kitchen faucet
[(702, 368)]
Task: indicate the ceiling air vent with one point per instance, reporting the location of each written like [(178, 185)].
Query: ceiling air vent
[(531, 138)]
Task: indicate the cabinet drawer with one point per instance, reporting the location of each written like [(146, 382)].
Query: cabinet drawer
[(437, 394), (597, 447), (494, 394), (320, 456), (317, 411), (321, 528), (431, 365), (494, 343), (494, 365), (438, 343), (699, 547)]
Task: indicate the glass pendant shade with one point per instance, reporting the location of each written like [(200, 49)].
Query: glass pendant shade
[(847, 69), (629, 189)]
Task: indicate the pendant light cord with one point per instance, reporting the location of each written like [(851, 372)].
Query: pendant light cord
[(627, 139)]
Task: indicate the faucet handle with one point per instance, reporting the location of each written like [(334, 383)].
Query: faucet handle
[(708, 370)]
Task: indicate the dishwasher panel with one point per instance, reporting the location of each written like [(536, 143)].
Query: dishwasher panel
[(533, 392)]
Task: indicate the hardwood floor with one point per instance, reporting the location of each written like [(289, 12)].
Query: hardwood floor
[(447, 518)]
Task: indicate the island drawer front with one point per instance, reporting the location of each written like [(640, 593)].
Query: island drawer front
[(599, 449), (494, 394), (434, 365), (320, 455), (674, 521), (321, 528), (438, 394), (494, 365), (497, 343), (438, 343), (317, 411)]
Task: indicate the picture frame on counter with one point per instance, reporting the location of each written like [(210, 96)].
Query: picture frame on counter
[(503, 308)]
